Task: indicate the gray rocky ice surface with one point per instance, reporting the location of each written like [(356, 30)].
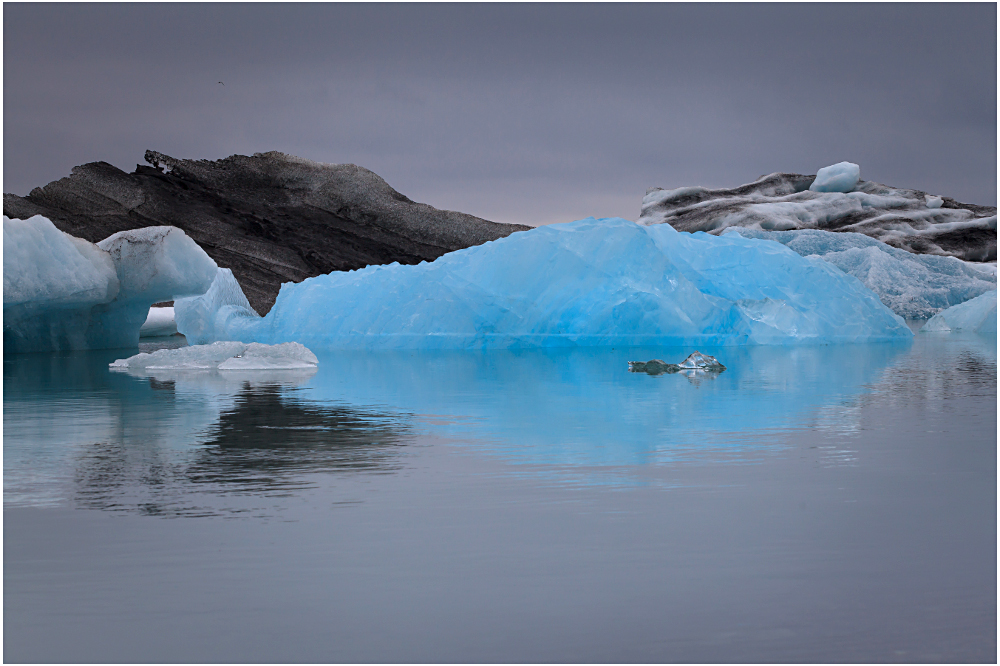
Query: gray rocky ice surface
[(912, 220), (696, 362)]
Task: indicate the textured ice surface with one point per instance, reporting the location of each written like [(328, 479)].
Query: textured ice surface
[(159, 322), (585, 283), (205, 318), (912, 220), (63, 293), (914, 286), (48, 268), (841, 177), (222, 356), (978, 315), (159, 263), (696, 362)]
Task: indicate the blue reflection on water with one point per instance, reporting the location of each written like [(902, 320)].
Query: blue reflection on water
[(582, 407), (116, 441)]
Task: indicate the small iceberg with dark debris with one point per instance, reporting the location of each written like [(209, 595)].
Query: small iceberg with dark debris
[(221, 357), (696, 362)]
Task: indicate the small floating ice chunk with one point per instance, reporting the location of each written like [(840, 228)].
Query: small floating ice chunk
[(978, 315), (840, 177), (223, 356), (696, 361), (933, 202)]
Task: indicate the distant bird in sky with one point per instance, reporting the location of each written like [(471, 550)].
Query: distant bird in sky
[(222, 83)]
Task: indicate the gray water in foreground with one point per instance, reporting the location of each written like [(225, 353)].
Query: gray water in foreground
[(809, 504)]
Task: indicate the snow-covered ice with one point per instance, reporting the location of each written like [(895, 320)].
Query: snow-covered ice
[(586, 283), (159, 322), (64, 293), (841, 177), (222, 356), (205, 318), (914, 286), (978, 315)]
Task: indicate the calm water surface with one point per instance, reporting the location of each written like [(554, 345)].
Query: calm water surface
[(815, 504)]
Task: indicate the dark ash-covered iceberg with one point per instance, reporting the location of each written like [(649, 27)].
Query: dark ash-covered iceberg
[(834, 200), (271, 218)]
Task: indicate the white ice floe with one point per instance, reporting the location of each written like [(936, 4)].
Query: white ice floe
[(63, 293), (222, 356), (978, 316), (914, 286), (587, 283)]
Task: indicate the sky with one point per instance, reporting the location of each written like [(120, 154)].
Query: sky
[(529, 113)]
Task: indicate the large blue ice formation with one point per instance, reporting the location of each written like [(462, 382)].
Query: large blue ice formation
[(64, 293), (586, 283), (977, 316), (914, 286)]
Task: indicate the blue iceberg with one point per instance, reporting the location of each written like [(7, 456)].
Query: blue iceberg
[(587, 283), (914, 286)]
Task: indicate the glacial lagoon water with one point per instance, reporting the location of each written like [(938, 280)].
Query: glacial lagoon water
[(833, 503)]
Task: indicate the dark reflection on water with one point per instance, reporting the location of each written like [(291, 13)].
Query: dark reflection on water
[(182, 445), (269, 434)]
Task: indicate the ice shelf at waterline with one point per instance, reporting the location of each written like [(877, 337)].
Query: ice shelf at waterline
[(976, 316), (65, 293), (586, 283)]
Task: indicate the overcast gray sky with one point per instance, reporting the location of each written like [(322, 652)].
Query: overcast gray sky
[(516, 113)]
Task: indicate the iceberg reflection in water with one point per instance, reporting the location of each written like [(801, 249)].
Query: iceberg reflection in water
[(821, 504), (175, 442), (168, 443)]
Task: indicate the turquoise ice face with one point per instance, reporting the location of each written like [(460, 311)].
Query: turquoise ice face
[(590, 283)]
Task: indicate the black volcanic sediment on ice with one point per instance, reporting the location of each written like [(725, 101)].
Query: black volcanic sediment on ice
[(781, 201), (271, 217)]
